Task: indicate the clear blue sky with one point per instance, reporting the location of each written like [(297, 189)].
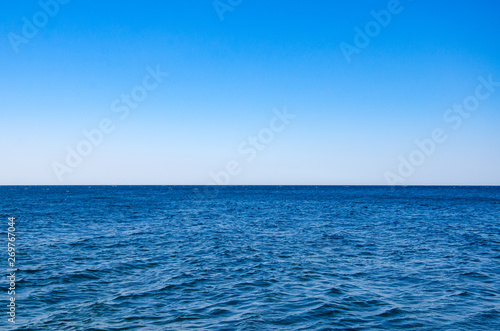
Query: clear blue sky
[(354, 119)]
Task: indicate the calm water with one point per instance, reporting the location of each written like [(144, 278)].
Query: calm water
[(254, 258)]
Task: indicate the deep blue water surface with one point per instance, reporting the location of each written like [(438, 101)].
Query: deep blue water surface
[(253, 258)]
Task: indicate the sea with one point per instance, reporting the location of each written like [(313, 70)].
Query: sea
[(250, 257)]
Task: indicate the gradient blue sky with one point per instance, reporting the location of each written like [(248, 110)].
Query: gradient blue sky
[(225, 78)]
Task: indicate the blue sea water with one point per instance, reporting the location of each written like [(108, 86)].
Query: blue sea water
[(253, 257)]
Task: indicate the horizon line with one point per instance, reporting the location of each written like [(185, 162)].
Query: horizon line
[(231, 185)]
